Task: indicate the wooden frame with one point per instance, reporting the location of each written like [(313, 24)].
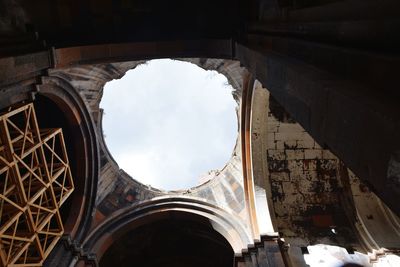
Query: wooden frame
[(35, 181)]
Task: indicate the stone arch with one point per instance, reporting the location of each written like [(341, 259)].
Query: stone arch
[(122, 221), (84, 142), (258, 144), (59, 105), (378, 227)]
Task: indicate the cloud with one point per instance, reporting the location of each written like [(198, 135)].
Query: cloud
[(168, 122)]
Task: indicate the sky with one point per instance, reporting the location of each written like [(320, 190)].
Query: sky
[(168, 122)]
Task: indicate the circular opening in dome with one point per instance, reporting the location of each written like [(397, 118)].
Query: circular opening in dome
[(169, 123)]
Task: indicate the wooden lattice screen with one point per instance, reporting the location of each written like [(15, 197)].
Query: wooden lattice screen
[(35, 181)]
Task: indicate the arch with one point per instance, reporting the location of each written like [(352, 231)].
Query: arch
[(122, 221), (86, 155), (59, 105), (258, 146), (176, 239), (378, 227), (254, 112)]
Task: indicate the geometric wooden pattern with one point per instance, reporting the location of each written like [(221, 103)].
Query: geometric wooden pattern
[(35, 181)]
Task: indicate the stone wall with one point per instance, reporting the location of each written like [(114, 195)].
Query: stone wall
[(309, 190), (306, 186)]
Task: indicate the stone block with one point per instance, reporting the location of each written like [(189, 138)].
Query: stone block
[(289, 189), (327, 164), (271, 136), (277, 191), (277, 154), (286, 136), (279, 176), (290, 127), (312, 154), (271, 144), (310, 164), (281, 210), (297, 171), (293, 154), (311, 175), (279, 144), (293, 165), (277, 165)]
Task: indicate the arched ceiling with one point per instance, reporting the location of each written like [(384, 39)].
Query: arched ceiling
[(171, 242)]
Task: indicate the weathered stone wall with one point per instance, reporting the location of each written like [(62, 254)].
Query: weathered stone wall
[(307, 191), (308, 187), (313, 197)]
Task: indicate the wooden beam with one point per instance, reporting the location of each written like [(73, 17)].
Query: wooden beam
[(33, 186)]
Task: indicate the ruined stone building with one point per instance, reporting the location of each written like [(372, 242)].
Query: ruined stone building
[(316, 168)]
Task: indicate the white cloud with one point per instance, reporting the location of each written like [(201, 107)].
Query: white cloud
[(168, 122)]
